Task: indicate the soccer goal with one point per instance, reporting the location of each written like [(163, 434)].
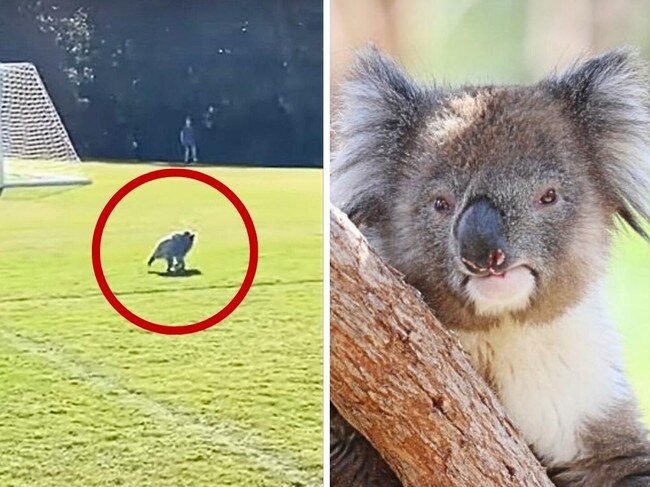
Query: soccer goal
[(35, 148)]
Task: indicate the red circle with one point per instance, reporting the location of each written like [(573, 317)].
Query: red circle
[(253, 253)]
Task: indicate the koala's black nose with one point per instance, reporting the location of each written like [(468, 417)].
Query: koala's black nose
[(483, 247)]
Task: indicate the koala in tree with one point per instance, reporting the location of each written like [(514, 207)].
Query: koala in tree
[(173, 249), (498, 203)]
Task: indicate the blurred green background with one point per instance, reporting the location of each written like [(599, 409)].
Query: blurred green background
[(486, 40), (510, 41)]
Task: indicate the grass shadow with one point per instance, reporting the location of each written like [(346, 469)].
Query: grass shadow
[(180, 273)]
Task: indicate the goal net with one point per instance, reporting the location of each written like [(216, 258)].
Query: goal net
[(35, 149)]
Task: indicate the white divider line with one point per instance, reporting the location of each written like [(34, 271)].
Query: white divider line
[(237, 440)]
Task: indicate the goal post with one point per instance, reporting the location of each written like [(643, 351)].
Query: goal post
[(35, 147)]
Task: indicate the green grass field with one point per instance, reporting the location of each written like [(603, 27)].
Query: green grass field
[(88, 399)]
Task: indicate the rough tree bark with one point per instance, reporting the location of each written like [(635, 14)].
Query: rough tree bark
[(402, 380)]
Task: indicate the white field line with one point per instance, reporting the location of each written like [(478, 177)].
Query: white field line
[(237, 440)]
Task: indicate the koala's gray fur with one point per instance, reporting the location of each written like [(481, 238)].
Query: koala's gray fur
[(173, 249), (402, 146), (353, 460)]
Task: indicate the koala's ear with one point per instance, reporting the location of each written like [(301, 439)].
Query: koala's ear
[(607, 97), (379, 107)]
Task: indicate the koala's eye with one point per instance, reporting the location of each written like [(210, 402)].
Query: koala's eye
[(549, 197), (441, 205)]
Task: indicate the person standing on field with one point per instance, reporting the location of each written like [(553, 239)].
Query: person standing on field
[(188, 141)]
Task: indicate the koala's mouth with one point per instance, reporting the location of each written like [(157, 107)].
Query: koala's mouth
[(495, 293)]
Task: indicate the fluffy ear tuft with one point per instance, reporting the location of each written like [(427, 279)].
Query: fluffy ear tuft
[(607, 97), (379, 107)]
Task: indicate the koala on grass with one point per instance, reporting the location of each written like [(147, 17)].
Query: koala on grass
[(173, 249), (498, 203)]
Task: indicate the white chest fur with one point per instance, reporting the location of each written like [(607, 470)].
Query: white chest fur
[(552, 378)]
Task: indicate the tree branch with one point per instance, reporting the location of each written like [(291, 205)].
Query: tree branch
[(403, 381)]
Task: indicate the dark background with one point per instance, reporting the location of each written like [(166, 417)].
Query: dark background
[(124, 74)]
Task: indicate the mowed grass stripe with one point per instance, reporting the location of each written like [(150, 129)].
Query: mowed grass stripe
[(258, 368), (58, 297), (243, 442)]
